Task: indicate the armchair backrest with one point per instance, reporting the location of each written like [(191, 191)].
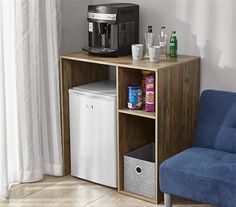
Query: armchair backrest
[(216, 124)]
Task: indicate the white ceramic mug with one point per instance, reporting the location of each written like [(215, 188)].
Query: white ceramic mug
[(154, 53), (137, 51)]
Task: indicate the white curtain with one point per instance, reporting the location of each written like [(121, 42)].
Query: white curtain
[(30, 136)]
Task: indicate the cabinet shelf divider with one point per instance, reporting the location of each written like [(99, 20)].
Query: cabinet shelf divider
[(141, 113)]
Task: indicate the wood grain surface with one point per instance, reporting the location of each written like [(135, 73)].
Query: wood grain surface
[(126, 61), (178, 97), (171, 127), (73, 192)]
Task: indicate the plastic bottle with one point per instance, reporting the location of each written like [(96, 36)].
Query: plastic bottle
[(149, 40), (163, 43), (173, 44)]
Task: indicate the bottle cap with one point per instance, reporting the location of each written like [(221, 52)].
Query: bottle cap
[(173, 32), (149, 28)]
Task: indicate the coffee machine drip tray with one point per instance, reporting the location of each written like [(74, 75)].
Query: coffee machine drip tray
[(103, 52)]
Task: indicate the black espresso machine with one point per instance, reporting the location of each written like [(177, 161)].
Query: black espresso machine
[(112, 28)]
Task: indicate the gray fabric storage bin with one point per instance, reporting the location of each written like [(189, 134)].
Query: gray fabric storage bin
[(139, 171)]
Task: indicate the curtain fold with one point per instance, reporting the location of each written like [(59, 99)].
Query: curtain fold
[(3, 133), (30, 134)]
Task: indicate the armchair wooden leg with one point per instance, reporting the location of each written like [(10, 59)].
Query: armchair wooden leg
[(167, 200)]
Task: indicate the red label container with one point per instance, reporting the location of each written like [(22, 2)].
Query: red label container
[(150, 94)]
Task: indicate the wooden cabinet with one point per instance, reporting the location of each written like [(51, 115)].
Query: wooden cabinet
[(171, 127)]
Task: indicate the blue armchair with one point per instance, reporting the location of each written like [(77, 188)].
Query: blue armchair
[(206, 172)]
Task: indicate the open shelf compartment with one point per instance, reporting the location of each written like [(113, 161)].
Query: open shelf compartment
[(126, 77), (134, 133)]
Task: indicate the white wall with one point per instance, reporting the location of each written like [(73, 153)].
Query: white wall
[(74, 25), (204, 28)]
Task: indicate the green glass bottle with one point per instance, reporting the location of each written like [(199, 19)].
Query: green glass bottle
[(173, 44)]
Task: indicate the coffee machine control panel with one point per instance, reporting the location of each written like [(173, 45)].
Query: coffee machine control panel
[(101, 16)]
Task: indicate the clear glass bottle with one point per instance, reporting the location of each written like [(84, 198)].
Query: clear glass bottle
[(163, 43), (149, 41)]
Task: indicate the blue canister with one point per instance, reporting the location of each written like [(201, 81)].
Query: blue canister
[(134, 97)]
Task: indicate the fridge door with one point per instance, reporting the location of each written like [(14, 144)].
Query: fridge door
[(93, 137)]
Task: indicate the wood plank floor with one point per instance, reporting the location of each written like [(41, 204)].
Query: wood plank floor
[(72, 192)]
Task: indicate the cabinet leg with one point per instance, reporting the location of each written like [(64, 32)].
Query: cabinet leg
[(167, 200)]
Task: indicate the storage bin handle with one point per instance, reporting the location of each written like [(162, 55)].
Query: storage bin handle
[(138, 170)]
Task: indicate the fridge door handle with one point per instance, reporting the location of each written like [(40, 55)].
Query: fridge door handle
[(89, 106)]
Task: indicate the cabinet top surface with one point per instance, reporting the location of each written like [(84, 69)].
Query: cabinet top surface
[(126, 61)]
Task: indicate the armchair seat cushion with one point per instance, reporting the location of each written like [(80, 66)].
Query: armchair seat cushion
[(201, 174)]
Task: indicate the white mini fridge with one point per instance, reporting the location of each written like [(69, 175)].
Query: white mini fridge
[(93, 132)]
